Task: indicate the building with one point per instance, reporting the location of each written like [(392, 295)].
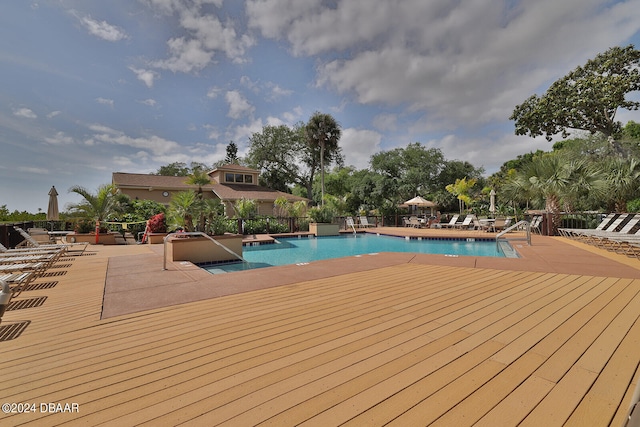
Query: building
[(229, 184)]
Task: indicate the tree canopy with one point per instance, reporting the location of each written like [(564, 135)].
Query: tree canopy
[(585, 99)]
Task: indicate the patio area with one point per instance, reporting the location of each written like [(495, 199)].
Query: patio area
[(550, 339)]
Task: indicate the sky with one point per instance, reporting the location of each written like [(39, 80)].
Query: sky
[(93, 87)]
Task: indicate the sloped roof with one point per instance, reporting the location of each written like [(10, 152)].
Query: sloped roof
[(255, 192), (140, 180), (229, 192)]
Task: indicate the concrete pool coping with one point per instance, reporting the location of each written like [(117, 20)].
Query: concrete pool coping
[(137, 282)]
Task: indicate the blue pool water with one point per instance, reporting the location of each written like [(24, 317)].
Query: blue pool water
[(295, 251)]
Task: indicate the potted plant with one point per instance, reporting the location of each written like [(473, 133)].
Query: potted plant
[(322, 221)]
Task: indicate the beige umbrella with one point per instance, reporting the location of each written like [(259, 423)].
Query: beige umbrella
[(421, 202), (52, 210)]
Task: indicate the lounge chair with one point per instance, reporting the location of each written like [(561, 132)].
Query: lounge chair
[(4, 251), (588, 235), (477, 225), (536, 222), (350, 224), (415, 222), (500, 224), (576, 232), (30, 241), (17, 281), (465, 224), (364, 222), (452, 223)]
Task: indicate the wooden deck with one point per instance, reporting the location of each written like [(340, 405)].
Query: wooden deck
[(412, 342)]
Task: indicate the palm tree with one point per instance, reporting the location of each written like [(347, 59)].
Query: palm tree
[(198, 177), (182, 208), (557, 181), (99, 206), (323, 131), (623, 179)]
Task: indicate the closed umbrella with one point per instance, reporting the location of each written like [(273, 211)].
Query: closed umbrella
[(52, 211), (492, 205)]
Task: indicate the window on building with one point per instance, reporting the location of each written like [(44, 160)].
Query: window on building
[(248, 179)]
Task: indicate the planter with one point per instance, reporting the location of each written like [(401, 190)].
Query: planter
[(201, 250), (324, 229), (103, 239), (156, 238)]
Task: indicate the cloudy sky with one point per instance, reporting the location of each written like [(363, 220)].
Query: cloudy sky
[(93, 87)]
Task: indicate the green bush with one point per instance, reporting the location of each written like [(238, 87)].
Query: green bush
[(633, 205), (321, 214)]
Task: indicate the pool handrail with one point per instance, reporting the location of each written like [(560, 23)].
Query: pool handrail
[(195, 233), (518, 224)]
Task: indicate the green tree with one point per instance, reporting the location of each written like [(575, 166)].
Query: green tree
[(324, 132), (99, 206), (587, 98), (277, 152), (462, 190), (232, 154)]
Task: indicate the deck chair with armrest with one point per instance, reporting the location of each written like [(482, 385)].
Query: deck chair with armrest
[(75, 247), (500, 224), (364, 222), (452, 222)]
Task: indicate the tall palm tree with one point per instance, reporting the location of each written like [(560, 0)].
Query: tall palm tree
[(323, 131), (99, 206)]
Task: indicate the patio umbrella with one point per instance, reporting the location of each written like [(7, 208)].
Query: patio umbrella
[(492, 205), (52, 210), (421, 202)]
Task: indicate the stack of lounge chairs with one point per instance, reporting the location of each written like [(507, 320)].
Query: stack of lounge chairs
[(21, 266), (619, 233)]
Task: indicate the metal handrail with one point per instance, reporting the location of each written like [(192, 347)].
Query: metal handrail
[(527, 225), (195, 233)]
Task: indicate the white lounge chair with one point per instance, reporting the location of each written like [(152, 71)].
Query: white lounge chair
[(464, 224), (30, 241), (452, 223)]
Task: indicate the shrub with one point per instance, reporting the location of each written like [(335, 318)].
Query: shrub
[(158, 224), (321, 214)]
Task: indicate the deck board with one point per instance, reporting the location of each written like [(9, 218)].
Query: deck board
[(410, 343)]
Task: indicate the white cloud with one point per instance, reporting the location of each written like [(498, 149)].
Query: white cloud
[(385, 121), (154, 144), (206, 36), (31, 169), (213, 92), (146, 76), (25, 113), (359, 145), (457, 63), (149, 102), (238, 105), (60, 138), (105, 101), (53, 114), (101, 29)]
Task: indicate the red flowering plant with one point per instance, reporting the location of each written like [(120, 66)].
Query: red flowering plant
[(158, 224)]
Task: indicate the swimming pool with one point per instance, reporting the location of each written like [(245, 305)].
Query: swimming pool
[(303, 250)]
